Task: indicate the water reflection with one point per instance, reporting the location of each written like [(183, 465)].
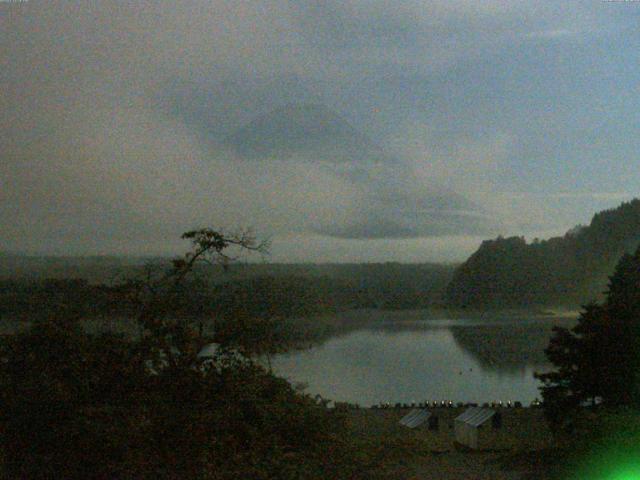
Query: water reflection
[(391, 358)]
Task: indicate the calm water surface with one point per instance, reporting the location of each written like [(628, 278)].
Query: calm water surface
[(398, 357)]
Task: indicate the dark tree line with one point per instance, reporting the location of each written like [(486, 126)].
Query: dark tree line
[(280, 290), (568, 270)]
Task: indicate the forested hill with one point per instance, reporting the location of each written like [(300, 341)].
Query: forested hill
[(569, 270)]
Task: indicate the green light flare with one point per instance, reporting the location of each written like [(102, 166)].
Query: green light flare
[(626, 474), (611, 468)]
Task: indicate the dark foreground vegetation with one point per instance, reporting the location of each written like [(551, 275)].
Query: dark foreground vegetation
[(78, 405), (592, 399), (569, 270)]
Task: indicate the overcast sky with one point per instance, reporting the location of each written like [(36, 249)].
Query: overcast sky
[(501, 117)]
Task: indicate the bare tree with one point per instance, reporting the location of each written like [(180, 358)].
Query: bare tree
[(174, 340)]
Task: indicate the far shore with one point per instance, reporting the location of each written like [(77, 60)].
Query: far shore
[(435, 313)]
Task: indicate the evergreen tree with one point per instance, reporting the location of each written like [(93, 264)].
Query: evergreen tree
[(598, 360)]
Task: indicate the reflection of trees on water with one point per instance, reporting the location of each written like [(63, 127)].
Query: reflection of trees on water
[(510, 349)]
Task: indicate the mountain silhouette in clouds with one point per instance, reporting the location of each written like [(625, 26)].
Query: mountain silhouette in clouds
[(392, 201), (307, 130)]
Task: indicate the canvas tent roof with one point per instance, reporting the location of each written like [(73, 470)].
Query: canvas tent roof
[(476, 416), (415, 418)]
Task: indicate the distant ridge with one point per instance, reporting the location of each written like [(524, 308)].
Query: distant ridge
[(568, 270)]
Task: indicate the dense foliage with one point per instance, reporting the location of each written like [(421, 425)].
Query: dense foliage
[(79, 406), (598, 360), (76, 405), (569, 270)]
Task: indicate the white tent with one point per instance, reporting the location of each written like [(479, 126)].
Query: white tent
[(415, 418), (471, 427)]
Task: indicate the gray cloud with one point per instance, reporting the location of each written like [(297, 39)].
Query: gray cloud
[(114, 116)]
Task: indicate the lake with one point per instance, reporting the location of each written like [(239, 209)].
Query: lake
[(416, 356)]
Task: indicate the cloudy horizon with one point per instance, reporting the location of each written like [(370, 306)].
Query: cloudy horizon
[(443, 123)]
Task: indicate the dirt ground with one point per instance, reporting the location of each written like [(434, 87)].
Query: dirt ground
[(515, 451)]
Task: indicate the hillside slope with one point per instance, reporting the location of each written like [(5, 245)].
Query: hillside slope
[(568, 270)]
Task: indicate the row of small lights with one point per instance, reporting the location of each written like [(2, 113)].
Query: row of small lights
[(450, 404)]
